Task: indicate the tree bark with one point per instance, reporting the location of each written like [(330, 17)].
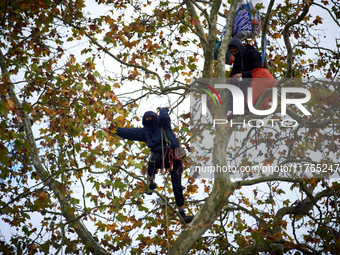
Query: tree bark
[(218, 198), (226, 39)]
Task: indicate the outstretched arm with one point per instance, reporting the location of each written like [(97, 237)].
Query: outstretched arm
[(164, 118), (135, 134)]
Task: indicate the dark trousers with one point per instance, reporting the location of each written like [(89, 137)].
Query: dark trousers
[(156, 162)]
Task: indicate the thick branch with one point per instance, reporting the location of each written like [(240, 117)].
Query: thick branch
[(227, 36), (78, 226), (199, 28), (304, 206), (211, 209), (265, 28), (287, 40), (212, 35)]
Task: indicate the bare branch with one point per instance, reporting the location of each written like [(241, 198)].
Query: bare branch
[(200, 31), (287, 39), (161, 85)]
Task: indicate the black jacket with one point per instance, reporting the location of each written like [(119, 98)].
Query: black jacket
[(151, 133), (246, 60)]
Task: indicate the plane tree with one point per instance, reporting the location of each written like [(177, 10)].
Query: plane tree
[(69, 187)]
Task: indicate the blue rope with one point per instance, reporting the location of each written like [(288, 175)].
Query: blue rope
[(264, 47)]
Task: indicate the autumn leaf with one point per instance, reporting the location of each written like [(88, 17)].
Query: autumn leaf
[(64, 180), (318, 20), (43, 195), (62, 77), (92, 78), (277, 35), (11, 104)]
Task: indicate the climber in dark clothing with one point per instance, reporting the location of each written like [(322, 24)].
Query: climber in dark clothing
[(154, 132), (247, 58)]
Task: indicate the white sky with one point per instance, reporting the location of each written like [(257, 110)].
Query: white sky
[(328, 36)]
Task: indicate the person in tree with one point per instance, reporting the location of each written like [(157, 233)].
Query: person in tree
[(247, 58), (157, 134)]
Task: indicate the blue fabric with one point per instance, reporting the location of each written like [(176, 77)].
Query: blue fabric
[(216, 50), (151, 134), (242, 27)]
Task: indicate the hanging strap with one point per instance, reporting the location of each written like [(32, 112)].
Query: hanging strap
[(165, 184), (168, 143), (168, 151)]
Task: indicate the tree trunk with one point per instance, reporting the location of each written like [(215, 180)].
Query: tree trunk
[(218, 198)]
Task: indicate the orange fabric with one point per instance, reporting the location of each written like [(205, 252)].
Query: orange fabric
[(231, 59), (261, 80)]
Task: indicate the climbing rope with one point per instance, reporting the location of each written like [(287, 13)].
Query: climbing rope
[(165, 199)]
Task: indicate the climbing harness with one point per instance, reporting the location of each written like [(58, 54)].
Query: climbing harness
[(171, 155)]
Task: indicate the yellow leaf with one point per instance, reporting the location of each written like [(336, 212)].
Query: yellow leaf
[(120, 119), (10, 103), (111, 227), (62, 77)]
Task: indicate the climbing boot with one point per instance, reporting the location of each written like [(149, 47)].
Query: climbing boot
[(151, 186), (185, 217)]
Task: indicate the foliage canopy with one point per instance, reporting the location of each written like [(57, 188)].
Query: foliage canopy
[(68, 187)]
